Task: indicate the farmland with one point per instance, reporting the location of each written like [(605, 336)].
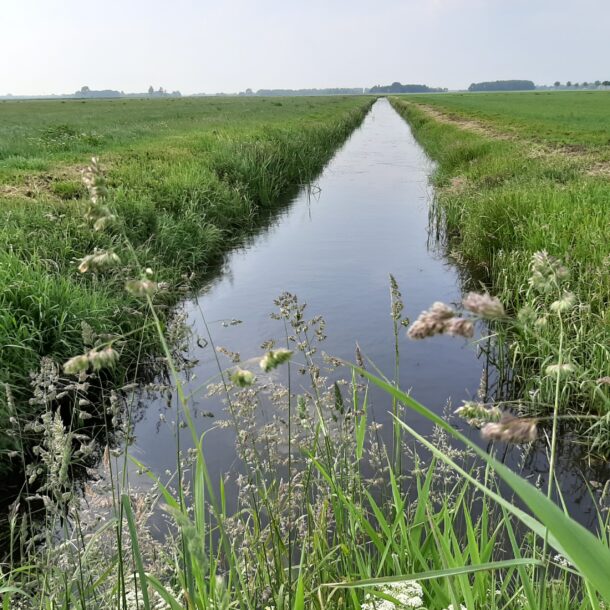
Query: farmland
[(570, 118)]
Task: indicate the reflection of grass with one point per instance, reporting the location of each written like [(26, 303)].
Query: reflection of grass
[(499, 204), (191, 178)]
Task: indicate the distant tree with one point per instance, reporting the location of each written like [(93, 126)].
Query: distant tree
[(606, 83), (397, 87), (576, 85), (597, 83), (557, 84), (151, 90), (569, 83), (503, 85), (585, 84), (249, 91), (84, 90)]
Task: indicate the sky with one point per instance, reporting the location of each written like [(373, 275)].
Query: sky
[(195, 46)]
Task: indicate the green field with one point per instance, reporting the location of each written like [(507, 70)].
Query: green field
[(558, 117), (501, 199), (188, 179)]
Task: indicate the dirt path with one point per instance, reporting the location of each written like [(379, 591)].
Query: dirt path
[(589, 161)]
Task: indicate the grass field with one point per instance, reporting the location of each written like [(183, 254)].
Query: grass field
[(558, 117), (188, 177), (518, 174)]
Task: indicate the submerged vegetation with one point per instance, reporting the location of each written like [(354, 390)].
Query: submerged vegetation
[(188, 179), (503, 196)]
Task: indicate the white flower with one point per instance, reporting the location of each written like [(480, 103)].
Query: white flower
[(408, 594)]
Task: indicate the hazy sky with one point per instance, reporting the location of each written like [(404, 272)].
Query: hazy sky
[(53, 46)]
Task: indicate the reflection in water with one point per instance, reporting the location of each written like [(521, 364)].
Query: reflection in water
[(334, 247)]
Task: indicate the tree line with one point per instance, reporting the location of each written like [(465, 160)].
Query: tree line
[(397, 87), (503, 85)]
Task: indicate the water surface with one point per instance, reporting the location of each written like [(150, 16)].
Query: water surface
[(334, 246)]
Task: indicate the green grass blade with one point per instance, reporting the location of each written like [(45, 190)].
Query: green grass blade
[(433, 574), (131, 522), (162, 591), (583, 549)]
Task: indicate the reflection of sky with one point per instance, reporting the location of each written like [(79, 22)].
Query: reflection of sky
[(211, 46), (335, 251)]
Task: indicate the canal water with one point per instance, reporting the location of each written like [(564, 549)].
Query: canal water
[(334, 246)]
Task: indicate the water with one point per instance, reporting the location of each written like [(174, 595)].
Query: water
[(334, 247)]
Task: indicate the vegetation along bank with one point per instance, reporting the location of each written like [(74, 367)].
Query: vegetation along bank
[(187, 178), (523, 173)]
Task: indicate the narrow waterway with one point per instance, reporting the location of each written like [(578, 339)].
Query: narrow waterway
[(334, 246)]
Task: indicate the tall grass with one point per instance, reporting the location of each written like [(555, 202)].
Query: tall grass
[(188, 183), (327, 515), (323, 519), (499, 202)]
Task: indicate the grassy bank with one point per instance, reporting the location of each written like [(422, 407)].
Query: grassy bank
[(500, 199), (188, 179)]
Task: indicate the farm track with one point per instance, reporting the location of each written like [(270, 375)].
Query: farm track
[(591, 162)]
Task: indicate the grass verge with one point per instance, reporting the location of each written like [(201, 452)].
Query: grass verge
[(498, 202)]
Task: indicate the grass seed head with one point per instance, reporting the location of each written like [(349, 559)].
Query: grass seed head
[(478, 414), (460, 327), (565, 303), (273, 358), (510, 429), (396, 299), (484, 305), (559, 370), (105, 358), (431, 322), (242, 378), (141, 288), (100, 260), (97, 359), (547, 272), (76, 364)]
